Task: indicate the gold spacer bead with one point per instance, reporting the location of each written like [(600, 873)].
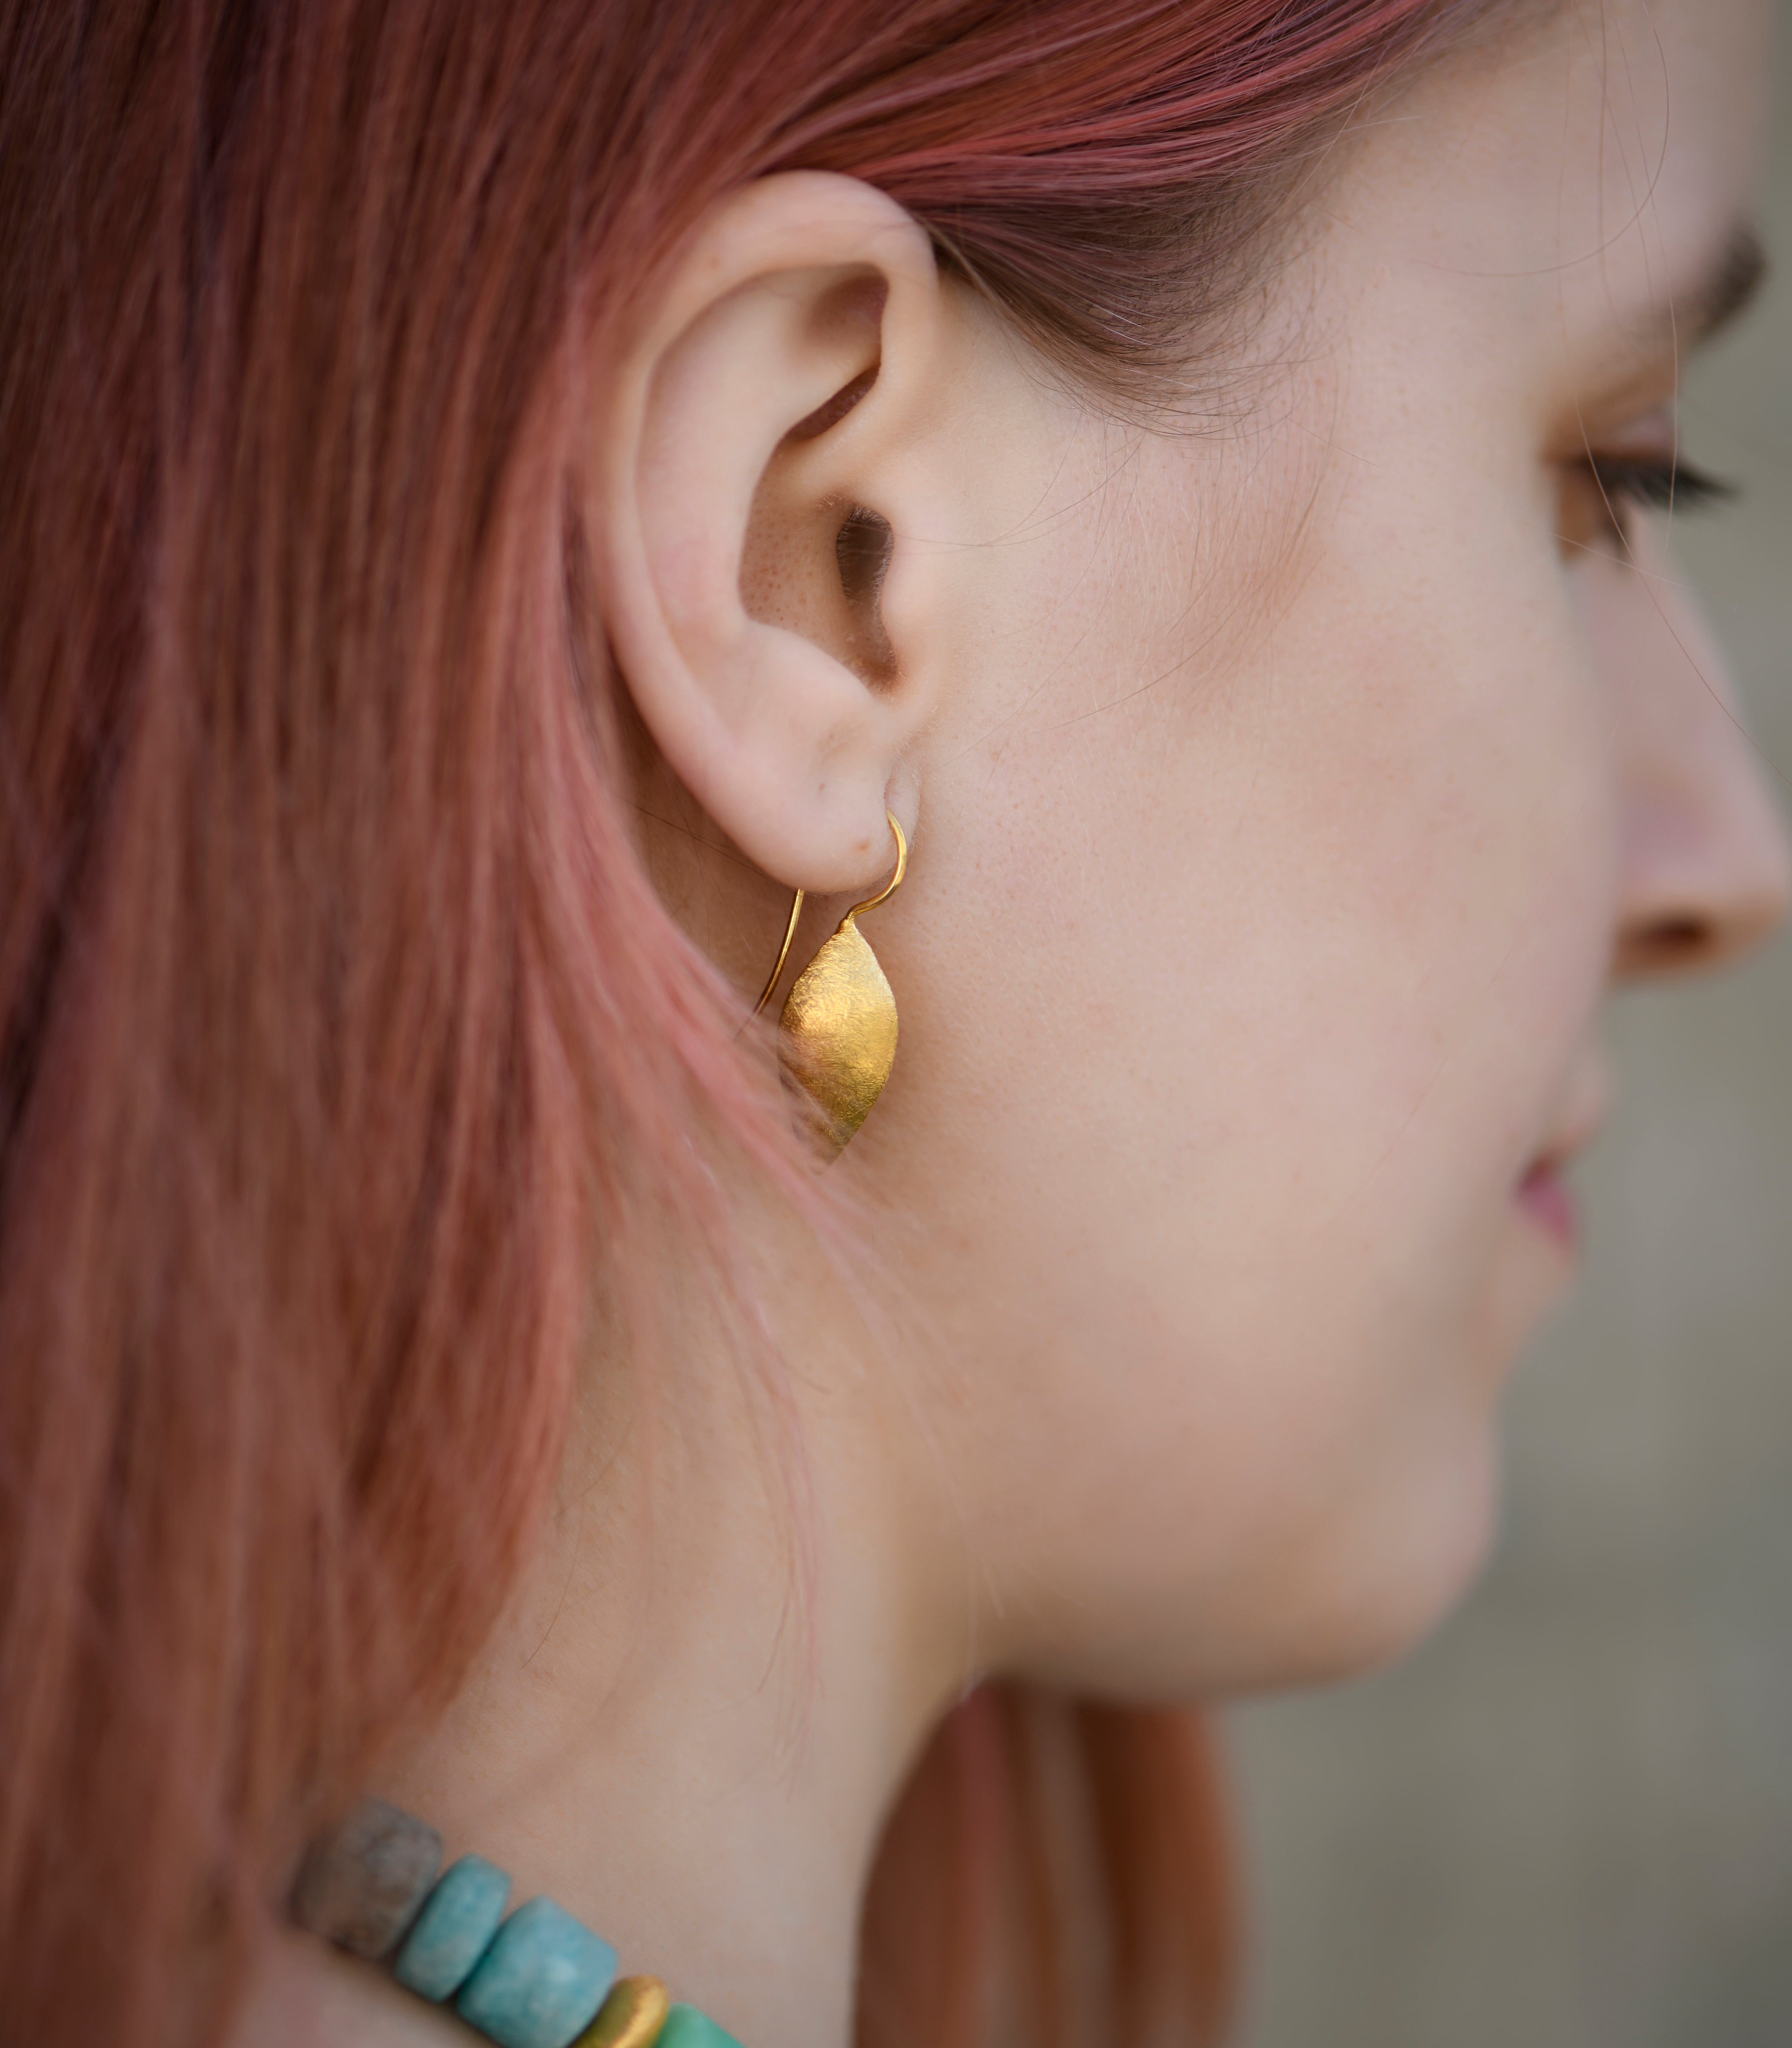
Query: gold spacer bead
[(631, 2017)]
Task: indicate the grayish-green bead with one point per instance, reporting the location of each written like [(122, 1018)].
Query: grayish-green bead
[(361, 1887)]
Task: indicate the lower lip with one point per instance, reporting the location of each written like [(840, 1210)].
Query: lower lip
[(1544, 1197)]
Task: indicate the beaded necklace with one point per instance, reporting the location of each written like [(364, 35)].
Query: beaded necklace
[(539, 1979)]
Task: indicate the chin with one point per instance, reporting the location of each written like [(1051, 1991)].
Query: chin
[(1365, 1591), (1414, 1568), (1343, 1596)]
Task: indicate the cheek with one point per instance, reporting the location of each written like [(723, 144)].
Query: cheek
[(1250, 994), (1295, 947)]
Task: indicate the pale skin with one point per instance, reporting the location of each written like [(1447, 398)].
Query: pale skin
[(1286, 794)]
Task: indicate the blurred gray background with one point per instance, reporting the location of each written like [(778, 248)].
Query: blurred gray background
[(1566, 1822)]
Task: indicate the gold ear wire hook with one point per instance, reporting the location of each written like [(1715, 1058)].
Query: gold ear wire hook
[(870, 903), (895, 881), (783, 952)]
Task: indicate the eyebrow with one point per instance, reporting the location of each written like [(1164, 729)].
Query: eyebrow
[(1726, 291)]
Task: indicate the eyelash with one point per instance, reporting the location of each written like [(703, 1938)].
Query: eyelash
[(1652, 483)]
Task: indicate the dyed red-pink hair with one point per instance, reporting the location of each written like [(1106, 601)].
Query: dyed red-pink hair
[(340, 1031)]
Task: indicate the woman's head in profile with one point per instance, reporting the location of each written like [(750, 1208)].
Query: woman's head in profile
[(502, 497)]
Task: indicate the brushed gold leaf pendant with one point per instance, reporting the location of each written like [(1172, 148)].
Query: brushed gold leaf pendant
[(837, 1035)]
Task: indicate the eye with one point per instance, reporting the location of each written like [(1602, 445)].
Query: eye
[(1602, 494)]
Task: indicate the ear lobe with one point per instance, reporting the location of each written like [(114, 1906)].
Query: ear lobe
[(763, 457)]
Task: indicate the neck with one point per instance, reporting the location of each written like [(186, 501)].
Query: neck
[(663, 1737)]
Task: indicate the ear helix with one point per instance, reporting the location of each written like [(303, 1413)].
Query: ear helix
[(837, 1038)]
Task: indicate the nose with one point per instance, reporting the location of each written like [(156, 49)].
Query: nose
[(1706, 875)]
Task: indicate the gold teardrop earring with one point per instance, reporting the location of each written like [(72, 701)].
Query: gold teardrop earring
[(836, 1037)]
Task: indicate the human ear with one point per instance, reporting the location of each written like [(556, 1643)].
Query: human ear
[(760, 470)]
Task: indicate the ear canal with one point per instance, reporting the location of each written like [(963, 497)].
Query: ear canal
[(837, 1035)]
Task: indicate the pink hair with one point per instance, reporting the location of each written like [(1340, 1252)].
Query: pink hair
[(338, 1021)]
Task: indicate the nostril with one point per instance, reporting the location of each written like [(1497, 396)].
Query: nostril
[(1679, 942), (1679, 937)]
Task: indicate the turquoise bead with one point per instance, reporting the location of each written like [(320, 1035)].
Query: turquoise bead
[(541, 1980), (686, 2027), (454, 1929)]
